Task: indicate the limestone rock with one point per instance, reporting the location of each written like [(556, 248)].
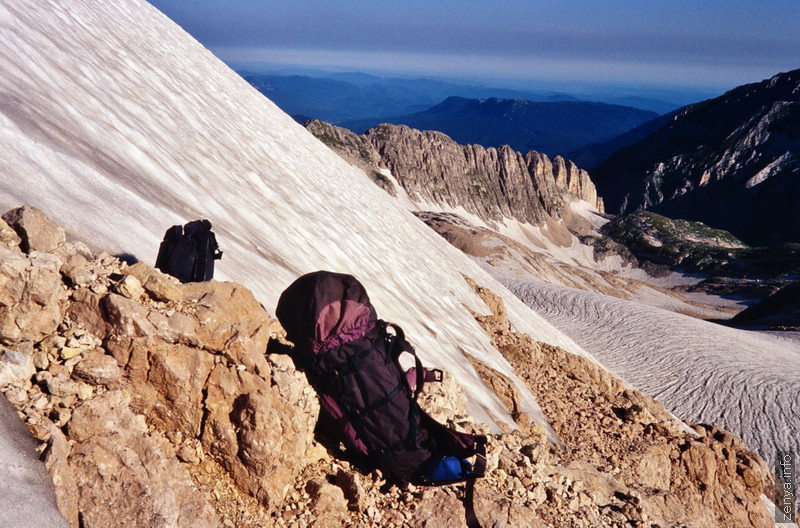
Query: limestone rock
[(98, 369), (130, 287), (352, 488), (439, 509), (16, 367), (327, 503), (230, 321), (32, 299), (138, 484), (9, 237), (128, 317), (167, 383), (159, 286), (35, 229), (85, 310), (493, 183), (272, 434)]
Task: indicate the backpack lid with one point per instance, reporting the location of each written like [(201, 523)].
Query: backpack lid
[(323, 309)]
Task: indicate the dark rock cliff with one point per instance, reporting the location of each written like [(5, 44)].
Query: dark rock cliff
[(730, 162)]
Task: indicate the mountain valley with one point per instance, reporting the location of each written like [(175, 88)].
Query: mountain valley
[(586, 344)]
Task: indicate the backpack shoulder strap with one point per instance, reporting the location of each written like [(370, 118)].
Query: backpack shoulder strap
[(400, 345)]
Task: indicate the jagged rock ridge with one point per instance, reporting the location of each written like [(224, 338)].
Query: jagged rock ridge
[(493, 183), (731, 162)]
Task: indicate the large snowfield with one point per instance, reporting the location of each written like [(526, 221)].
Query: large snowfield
[(745, 381), (117, 124)]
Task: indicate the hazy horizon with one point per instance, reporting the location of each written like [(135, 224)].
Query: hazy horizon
[(678, 94), (711, 46)]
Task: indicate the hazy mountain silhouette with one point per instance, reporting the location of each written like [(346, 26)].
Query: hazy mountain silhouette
[(345, 96), (553, 128)]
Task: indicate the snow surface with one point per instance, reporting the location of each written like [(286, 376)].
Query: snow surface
[(747, 382), (118, 124)]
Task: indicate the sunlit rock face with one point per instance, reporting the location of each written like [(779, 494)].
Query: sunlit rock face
[(492, 183)]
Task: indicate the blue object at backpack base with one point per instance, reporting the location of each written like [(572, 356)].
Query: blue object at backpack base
[(446, 470)]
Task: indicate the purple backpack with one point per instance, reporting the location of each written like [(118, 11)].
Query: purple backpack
[(368, 402)]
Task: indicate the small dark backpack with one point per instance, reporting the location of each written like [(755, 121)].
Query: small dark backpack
[(367, 401), (188, 252)]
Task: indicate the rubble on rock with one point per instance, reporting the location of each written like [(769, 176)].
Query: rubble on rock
[(157, 405)]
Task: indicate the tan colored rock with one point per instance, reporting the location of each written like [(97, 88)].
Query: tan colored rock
[(190, 453), (60, 385), (16, 367), (700, 463), (176, 327), (130, 287), (231, 321), (98, 369), (69, 352), (352, 488), (257, 434), (138, 485), (166, 381), (85, 310), (159, 286), (79, 274), (9, 237), (37, 231), (654, 468), (327, 503), (56, 460), (272, 439), (32, 299), (127, 317)]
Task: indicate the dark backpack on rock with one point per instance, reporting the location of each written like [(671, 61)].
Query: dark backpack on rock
[(188, 252), (367, 401)]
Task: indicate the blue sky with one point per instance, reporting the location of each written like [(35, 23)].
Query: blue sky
[(679, 43)]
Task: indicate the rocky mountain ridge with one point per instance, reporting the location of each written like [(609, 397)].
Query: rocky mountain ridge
[(160, 404), (491, 183), (731, 162)]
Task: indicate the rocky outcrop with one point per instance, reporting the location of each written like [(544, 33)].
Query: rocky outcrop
[(356, 150), (160, 404), (491, 183), (730, 162), (128, 376), (624, 452)]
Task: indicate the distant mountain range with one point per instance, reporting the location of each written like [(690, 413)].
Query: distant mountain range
[(346, 96), (732, 162), (553, 128)]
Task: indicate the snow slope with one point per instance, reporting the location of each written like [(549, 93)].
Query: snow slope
[(118, 124), (747, 382)]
